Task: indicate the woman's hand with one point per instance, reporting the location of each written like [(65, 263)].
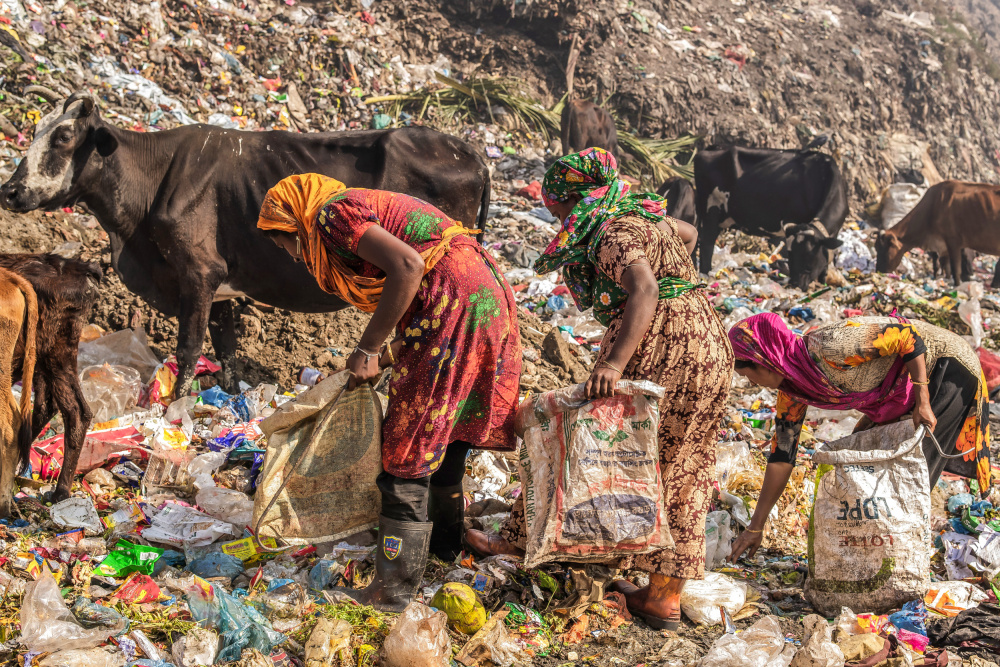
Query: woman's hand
[(922, 412), (362, 367), (748, 541), (601, 383)]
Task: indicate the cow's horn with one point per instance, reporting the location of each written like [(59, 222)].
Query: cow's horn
[(47, 94)]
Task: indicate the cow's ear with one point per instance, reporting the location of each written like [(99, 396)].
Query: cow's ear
[(830, 244), (105, 142), (87, 107)]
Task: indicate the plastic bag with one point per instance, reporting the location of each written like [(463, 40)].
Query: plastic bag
[(898, 200), (971, 313), (110, 391), (95, 616), (870, 528), (418, 639), (818, 650), (48, 625), (701, 599), (760, 645), (242, 626), (121, 348), (286, 600), (723, 538), (216, 565), (197, 648), (328, 638), (736, 469), (77, 513), (91, 657), (185, 526), (127, 558), (225, 504), (203, 467), (606, 468)]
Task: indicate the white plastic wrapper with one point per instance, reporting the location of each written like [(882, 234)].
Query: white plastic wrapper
[(701, 598)]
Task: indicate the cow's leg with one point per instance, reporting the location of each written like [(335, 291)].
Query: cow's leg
[(996, 276), (222, 330), (44, 409), (76, 414), (968, 267), (706, 246), (955, 261), (192, 325)]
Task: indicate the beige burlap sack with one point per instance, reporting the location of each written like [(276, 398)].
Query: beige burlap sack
[(324, 452)]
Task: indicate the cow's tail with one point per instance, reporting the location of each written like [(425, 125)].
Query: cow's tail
[(26, 432), (484, 206)]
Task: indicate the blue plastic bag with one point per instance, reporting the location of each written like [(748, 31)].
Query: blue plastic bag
[(911, 617), (216, 565), (958, 501), (215, 396)]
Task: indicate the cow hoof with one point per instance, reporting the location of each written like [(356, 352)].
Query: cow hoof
[(56, 496)]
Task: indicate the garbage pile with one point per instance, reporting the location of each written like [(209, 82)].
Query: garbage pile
[(154, 561)]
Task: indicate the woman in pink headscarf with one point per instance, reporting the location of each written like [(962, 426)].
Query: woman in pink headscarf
[(884, 367)]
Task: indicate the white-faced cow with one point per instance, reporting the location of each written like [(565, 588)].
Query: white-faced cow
[(950, 217), (798, 196), (181, 206)]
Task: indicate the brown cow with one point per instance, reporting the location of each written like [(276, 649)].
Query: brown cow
[(66, 290), (950, 217), (18, 316), (584, 125)]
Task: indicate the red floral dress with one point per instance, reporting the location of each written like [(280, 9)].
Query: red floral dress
[(457, 375)]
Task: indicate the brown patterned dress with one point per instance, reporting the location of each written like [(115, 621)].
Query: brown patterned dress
[(687, 352)]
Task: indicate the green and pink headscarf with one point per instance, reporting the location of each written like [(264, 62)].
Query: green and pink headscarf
[(766, 340), (593, 175)]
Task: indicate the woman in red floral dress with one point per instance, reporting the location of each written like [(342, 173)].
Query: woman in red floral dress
[(456, 358)]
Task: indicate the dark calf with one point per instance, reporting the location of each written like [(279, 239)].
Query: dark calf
[(66, 289), (583, 124)]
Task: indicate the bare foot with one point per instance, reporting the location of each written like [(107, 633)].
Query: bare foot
[(491, 545)]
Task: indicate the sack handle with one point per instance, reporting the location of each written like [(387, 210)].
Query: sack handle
[(326, 418), (930, 434)]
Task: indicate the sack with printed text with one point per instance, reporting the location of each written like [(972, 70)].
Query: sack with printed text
[(590, 474), (869, 534)]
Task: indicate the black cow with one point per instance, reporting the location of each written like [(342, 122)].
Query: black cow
[(798, 196), (680, 198), (181, 206)]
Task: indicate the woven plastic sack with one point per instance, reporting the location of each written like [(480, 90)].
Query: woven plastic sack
[(869, 534), (324, 451), (590, 472)]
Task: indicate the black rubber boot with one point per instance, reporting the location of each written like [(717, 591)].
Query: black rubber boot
[(446, 510), (400, 558)]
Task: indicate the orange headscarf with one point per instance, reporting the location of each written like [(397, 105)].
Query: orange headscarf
[(292, 205)]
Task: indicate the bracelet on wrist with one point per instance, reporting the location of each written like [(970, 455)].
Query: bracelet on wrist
[(368, 355)]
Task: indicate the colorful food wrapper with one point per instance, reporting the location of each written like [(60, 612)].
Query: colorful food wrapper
[(247, 550), (128, 558), (138, 588)]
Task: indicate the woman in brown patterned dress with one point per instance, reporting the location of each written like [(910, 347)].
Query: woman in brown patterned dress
[(623, 256)]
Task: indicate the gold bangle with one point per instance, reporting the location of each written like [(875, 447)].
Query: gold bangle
[(388, 349), (617, 370), (751, 530), (920, 384)]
